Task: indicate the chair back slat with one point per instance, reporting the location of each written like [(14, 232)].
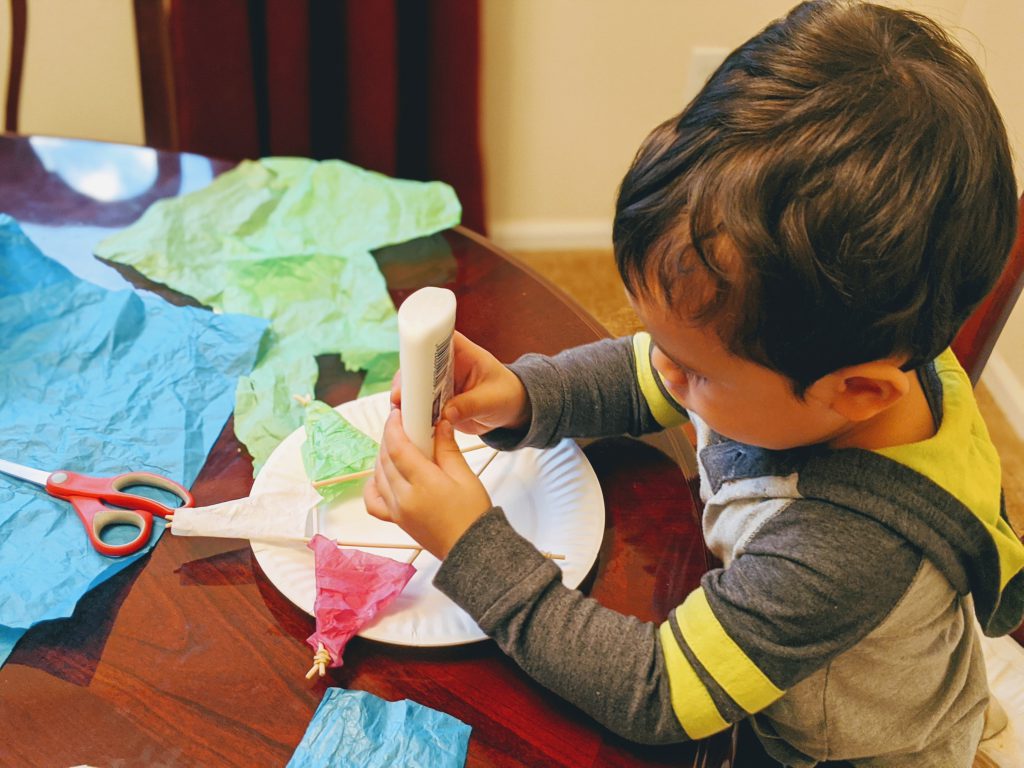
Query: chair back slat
[(973, 344), (19, 30)]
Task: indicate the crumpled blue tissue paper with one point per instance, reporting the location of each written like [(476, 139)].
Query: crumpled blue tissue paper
[(355, 728), (101, 382)]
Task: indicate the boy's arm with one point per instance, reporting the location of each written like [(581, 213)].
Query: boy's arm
[(732, 648), (605, 388)]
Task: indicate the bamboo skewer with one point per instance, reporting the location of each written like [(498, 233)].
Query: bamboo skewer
[(416, 549), (368, 545), (367, 472), (487, 464), (384, 545), (342, 478)]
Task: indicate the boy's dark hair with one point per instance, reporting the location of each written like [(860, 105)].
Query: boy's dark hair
[(839, 191)]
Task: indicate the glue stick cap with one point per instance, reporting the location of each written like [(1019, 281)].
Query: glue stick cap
[(426, 322)]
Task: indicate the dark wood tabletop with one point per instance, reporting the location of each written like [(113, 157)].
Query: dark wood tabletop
[(191, 657)]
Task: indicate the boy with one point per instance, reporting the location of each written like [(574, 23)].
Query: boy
[(802, 244)]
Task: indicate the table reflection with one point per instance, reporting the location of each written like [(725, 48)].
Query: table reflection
[(70, 194)]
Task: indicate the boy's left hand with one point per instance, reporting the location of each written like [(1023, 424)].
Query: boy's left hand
[(435, 502)]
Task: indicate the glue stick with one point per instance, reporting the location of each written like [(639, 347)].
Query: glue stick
[(426, 321)]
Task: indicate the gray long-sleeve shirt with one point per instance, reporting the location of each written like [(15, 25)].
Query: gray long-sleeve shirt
[(842, 620)]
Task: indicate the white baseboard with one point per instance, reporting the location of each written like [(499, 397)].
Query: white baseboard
[(1007, 390), (551, 234)]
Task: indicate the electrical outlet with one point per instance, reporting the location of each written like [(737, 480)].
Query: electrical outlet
[(704, 60)]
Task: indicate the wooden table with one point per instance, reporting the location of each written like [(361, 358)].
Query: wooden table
[(191, 657)]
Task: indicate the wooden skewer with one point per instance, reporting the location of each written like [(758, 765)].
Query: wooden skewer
[(487, 464), (368, 545), (415, 548), (367, 472), (342, 478), (418, 549)]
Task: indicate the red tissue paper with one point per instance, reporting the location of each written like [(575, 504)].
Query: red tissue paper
[(351, 587)]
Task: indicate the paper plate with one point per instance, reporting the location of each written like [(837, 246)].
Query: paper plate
[(550, 496)]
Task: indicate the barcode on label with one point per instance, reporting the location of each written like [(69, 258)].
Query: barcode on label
[(442, 385), (441, 361)]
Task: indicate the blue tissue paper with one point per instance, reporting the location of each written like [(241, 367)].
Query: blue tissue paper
[(100, 382), (357, 729)]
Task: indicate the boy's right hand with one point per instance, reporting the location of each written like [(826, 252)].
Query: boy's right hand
[(487, 394)]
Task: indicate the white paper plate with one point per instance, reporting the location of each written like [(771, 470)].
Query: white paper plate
[(551, 497)]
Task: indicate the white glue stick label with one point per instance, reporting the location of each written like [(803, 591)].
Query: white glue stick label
[(426, 322)]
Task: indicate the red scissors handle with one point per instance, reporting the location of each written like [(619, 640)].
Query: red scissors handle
[(91, 497), (95, 516)]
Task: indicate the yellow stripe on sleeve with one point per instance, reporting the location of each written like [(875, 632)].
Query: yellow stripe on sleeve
[(666, 412), (721, 657), (692, 703)]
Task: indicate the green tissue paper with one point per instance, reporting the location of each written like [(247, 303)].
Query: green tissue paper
[(334, 447), (289, 240)]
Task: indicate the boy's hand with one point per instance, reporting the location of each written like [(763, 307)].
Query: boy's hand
[(434, 502), (487, 394)]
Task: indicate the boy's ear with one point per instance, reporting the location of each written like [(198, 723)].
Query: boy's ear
[(859, 392)]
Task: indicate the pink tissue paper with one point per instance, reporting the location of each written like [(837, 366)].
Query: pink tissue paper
[(351, 587)]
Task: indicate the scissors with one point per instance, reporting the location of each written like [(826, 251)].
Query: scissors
[(91, 497)]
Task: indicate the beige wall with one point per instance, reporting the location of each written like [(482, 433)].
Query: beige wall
[(569, 88), (81, 75), (994, 39)]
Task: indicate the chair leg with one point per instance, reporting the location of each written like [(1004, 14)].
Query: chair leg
[(19, 31), (156, 72)]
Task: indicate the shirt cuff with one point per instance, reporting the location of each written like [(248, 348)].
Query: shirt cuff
[(545, 396)]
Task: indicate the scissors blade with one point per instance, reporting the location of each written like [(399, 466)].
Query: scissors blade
[(36, 476)]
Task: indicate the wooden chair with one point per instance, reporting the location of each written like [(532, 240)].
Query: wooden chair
[(154, 69), (390, 86), (156, 78), (973, 344), (19, 29)]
